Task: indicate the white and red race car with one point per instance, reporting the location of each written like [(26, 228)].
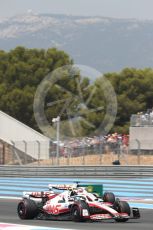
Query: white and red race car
[(74, 203)]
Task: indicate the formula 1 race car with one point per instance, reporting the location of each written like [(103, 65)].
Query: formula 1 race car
[(74, 203)]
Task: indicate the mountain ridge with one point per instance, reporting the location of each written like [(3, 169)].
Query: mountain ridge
[(105, 43)]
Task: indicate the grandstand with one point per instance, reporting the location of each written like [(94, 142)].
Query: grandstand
[(141, 132)]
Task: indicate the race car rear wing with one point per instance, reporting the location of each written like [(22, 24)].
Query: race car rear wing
[(93, 188), (62, 186)]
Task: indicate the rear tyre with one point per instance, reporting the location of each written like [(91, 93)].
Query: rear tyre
[(122, 207), (109, 197), (27, 209), (76, 211)]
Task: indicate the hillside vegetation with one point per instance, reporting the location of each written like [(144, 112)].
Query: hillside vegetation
[(22, 70)]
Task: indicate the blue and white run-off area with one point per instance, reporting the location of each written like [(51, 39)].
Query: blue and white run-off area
[(138, 192)]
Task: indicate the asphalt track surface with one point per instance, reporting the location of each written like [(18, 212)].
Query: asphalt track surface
[(8, 214)]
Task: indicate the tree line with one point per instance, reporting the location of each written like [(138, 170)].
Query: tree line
[(22, 70)]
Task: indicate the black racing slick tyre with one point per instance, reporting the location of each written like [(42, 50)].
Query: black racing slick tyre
[(122, 207), (27, 209), (76, 211), (109, 197)]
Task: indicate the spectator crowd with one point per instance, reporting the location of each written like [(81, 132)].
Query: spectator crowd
[(142, 118), (92, 145)]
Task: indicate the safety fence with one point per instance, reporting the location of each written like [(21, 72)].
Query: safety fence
[(77, 171), (101, 153)]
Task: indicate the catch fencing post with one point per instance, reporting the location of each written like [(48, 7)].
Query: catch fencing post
[(38, 142), (15, 153), (25, 151), (139, 151), (2, 153), (101, 153), (57, 121)]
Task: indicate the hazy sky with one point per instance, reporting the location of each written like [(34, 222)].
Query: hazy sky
[(142, 9)]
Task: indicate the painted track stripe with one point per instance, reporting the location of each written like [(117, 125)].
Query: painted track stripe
[(119, 191), (119, 194), (141, 205), (40, 185), (9, 226), (16, 188), (132, 188), (44, 180), (106, 183)]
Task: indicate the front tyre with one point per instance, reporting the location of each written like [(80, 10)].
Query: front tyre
[(122, 207), (77, 211), (27, 209)]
